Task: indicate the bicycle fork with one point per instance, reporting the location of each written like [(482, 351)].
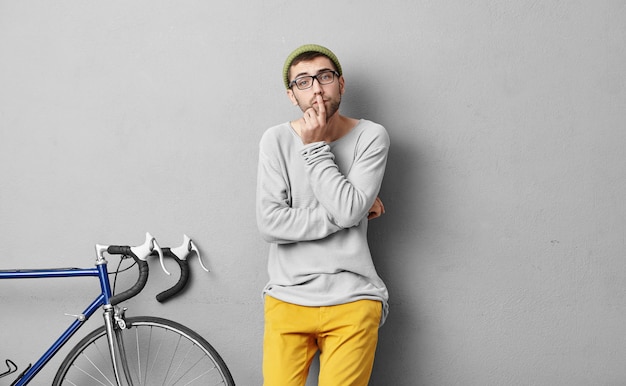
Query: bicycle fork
[(114, 323)]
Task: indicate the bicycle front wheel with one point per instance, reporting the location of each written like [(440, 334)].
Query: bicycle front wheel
[(157, 351)]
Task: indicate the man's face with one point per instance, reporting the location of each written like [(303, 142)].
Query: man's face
[(331, 93)]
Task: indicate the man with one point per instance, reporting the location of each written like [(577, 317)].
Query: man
[(318, 183)]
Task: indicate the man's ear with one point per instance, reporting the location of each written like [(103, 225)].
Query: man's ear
[(292, 97)]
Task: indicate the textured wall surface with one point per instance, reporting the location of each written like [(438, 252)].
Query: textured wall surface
[(503, 244)]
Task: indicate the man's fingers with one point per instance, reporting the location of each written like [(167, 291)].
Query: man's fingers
[(314, 121), (310, 117), (377, 209), (321, 108), (382, 206)]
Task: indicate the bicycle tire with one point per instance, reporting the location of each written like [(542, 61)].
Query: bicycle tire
[(159, 352)]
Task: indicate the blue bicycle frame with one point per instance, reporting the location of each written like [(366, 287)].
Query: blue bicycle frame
[(113, 316), (100, 270)]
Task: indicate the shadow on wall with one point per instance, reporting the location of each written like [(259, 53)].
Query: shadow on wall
[(391, 237)]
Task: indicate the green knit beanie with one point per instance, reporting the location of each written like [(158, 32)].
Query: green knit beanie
[(308, 48)]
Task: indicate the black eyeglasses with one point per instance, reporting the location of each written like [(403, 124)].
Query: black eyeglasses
[(304, 82)]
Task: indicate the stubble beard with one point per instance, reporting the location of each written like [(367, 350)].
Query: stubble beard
[(332, 108)]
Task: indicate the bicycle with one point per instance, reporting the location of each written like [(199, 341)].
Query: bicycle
[(128, 351)]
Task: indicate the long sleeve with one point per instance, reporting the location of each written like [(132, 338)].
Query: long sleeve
[(348, 197), (279, 218)]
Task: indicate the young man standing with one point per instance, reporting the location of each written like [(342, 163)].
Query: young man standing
[(317, 187)]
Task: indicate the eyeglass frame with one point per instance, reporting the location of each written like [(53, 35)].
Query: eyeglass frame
[(314, 78)]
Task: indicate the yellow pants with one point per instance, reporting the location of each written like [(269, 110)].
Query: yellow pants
[(346, 336)]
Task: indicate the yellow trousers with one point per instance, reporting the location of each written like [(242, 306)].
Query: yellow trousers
[(345, 335)]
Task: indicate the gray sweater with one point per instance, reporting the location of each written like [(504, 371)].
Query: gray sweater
[(312, 205)]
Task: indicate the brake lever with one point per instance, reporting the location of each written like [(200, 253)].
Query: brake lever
[(150, 245), (186, 248)]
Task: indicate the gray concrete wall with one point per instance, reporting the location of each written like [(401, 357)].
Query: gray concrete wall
[(503, 243)]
